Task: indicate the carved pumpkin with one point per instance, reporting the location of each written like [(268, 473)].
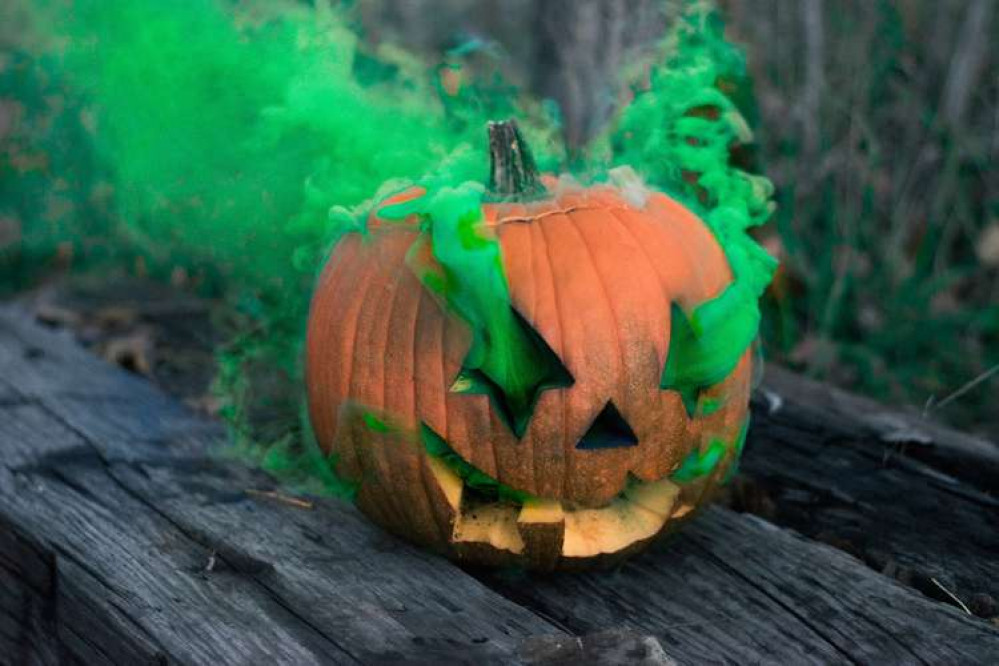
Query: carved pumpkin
[(614, 402)]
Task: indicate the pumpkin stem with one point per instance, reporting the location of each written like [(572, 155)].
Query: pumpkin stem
[(512, 172)]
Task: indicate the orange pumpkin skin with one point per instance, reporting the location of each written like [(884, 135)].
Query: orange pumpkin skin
[(594, 271)]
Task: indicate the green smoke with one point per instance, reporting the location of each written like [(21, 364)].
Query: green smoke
[(240, 142), (679, 134), (227, 141), (231, 139), (507, 361)]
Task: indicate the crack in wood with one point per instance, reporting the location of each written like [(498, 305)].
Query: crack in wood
[(787, 607), (97, 460)]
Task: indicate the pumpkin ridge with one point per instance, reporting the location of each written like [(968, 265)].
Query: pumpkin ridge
[(574, 224), (422, 471), (364, 388), (652, 270), (666, 330), (347, 378), (409, 467), (640, 460), (695, 273), (491, 434), (413, 393), (528, 254), (663, 279), (431, 403), (328, 374), (472, 419), (651, 232), (695, 270), (386, 463), (627, 222), (348, 442), (621, 381), (686, 215), (439, 384), (538, 269), (569, 416), (563, 477), (447, 340)]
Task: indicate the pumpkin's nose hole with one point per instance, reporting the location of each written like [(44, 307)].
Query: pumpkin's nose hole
[(608, 431)]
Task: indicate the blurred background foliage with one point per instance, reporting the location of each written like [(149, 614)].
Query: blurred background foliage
[(877, 121)]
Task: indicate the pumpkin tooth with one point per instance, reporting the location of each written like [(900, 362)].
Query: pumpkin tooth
[(448, 481), (630, 520), (490, 524), (542, 526)]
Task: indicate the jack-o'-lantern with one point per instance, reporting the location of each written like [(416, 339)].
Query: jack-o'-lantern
[(541, 374)]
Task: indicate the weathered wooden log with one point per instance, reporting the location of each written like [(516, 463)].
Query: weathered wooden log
[(125, 539), (912, 499)]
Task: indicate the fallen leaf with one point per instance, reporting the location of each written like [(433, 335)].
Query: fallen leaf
[(132, 351)]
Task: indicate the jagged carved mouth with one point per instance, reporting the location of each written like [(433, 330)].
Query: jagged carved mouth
[(486, 512), (480, 518)]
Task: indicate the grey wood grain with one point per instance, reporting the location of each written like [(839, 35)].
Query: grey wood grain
[(735, 589), (124, 509), (122, 540), (846, 415), (867, 484)]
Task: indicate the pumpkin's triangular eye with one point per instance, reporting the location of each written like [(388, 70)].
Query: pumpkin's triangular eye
[(609, 431), (514, 374), (685, 365), (706, 345)]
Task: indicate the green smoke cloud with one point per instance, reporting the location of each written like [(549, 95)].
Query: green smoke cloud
[(241, 141)]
